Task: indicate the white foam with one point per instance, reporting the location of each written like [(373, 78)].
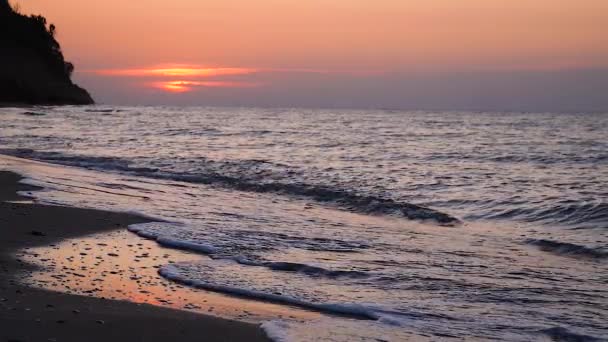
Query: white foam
[(276, 330), (34, 182), (193, 246), (147, 216), (337, 330), (171, 272), (167, 241)]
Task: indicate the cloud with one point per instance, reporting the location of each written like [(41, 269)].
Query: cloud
[(183, 70), (176, 71)]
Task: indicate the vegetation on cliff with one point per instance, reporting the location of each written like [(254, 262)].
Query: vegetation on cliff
[(32, 67)]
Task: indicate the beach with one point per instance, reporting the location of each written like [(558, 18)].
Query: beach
[(30, 314)]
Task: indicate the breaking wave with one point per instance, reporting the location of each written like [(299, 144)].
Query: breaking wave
[(173, 273), (576, 214), (568, 249), (33, 113), (231, 253), (341, 198), (561, 334)]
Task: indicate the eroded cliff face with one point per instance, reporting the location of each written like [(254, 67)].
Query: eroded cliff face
[(32, 67)]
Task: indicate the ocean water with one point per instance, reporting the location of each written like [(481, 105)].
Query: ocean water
[(399, 225)]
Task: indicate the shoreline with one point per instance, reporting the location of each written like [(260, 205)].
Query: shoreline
[(32, 314)]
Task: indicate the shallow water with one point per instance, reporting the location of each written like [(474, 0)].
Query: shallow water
[(427, 225), (122, 266)]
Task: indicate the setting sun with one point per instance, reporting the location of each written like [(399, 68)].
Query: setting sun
[(186, 86)]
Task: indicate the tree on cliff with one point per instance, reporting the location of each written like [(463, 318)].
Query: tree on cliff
[(4, 5), (32, 66), (32, 32)]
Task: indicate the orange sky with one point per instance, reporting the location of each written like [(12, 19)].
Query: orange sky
[(333, 35), (379, 34)]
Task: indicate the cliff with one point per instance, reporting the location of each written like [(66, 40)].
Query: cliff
[(32, 67)]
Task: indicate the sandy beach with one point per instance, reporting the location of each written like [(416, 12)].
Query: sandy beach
[(31, 314)]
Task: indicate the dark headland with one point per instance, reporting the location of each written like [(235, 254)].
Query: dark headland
[(33, 70)]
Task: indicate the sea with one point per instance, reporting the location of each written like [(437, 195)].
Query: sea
[(397, 225)]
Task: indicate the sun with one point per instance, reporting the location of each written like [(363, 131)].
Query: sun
[(184, 86), (176, 86)]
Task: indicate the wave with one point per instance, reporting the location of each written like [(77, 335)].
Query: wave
[(310, 270), (313, 270), (576, 212), (276, 330), (33, 113), (539, 159), (561, 334), (590, 214), (103, 110), (341, 198), (545, 159), (89, 162), (172, 273), (218, 253), (357, 203), (173, 243), (568, 249)]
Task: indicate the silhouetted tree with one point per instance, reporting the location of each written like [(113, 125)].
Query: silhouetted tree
[(69, 68), (4, 6), (27, 41), (31, 32)]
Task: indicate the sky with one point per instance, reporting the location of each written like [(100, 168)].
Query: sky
[(411, 54)]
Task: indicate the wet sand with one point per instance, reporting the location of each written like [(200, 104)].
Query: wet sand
[(32, 314)]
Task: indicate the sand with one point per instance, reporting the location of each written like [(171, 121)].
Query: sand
[(32, 314)]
